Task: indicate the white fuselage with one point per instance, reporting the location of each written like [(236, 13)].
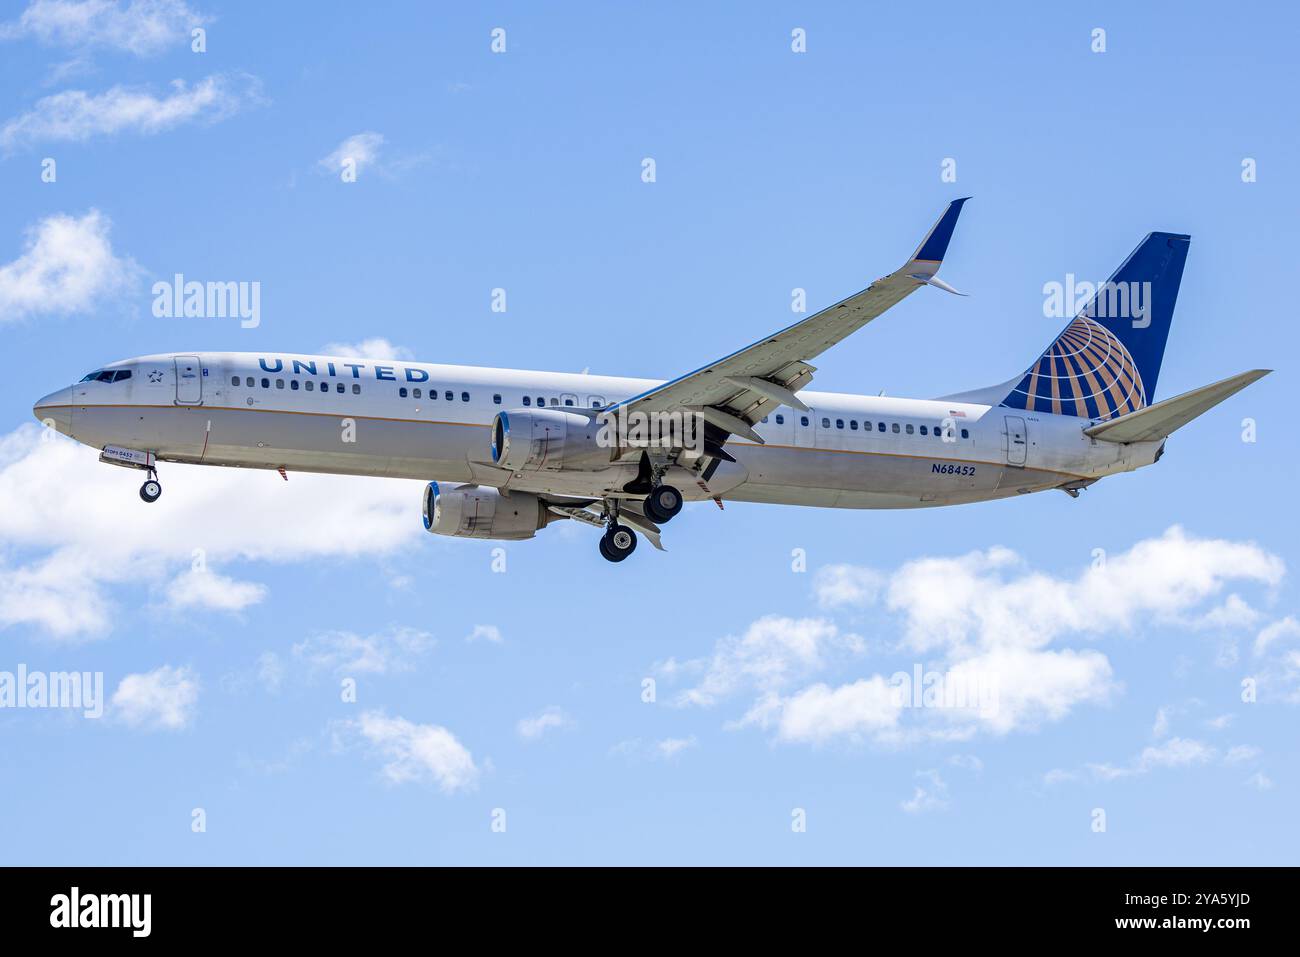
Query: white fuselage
[(415, 420)]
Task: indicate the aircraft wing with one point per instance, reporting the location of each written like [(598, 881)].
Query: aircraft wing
[(734, 392)]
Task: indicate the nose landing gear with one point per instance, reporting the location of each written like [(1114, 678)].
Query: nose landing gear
[(151, 490)]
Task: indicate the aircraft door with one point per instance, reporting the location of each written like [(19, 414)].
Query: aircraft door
[(189, 380), (1015, 440), (805, 428)]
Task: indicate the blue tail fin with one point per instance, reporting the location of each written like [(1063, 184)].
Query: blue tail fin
[(1106, 361)]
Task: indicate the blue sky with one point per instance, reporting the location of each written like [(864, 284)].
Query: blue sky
[(521, 689)]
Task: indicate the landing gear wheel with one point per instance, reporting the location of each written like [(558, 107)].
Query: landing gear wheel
[(617, 543), (151, 490), (662, 504)]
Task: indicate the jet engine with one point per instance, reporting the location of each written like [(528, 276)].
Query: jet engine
[(472, 511), (533, 440)]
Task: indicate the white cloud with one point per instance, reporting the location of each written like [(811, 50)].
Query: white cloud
[(1221, 722), (968, 762), (1059, 775), (347, 653), (1175, 753), (75, 115), (141, 27), (933, 796), (1032, 686), (771, 653), (666, 749), (1259, 781), (530, 729), (59, 561), (819, 712), (376, 348), (1275, 632), (951, 603), (67, 265), (836, 586), (368, 151), (983, 621), (201, 588), (361, 150), (1161, 727), (1241, 754), (489, 633), (670, 748), (270, 671), (416, 752), (162, 699), (1234, 613)]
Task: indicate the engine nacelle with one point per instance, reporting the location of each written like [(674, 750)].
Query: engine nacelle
[(534, 440), (472, 511)]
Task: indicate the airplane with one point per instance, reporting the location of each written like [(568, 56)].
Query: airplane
[(507, 452)]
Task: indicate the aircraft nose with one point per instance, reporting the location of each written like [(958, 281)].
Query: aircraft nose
[(55, 410)]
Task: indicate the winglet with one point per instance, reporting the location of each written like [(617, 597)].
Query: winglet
[(935, 244)]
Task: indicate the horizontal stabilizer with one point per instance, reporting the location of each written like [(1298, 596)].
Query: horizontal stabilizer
[(1160, 420)]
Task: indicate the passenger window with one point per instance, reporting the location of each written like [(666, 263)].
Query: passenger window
[(402, 392), (528, 400), (340, 388), (451, 396), (266, 383), (540, 401), (293, 384), (923, 432), (803, 420), (356, 389), (311, 386), (234, 380), (894, 428), (464, 397), (780, 419), (416, 393), (324, 386), (554, 401), (597, 401), (279, 383), (853, 424), (496, 399), (909, 428), (826, 423), (249, 382), (965, 434), (839, 423)]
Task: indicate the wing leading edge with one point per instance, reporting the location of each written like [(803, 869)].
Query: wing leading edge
[(736, 391)]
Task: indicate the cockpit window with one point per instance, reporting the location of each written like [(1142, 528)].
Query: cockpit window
[(107, 375)]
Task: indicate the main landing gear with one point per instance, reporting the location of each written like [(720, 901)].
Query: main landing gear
[(617, 543), (662, 504), (151, 490)]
